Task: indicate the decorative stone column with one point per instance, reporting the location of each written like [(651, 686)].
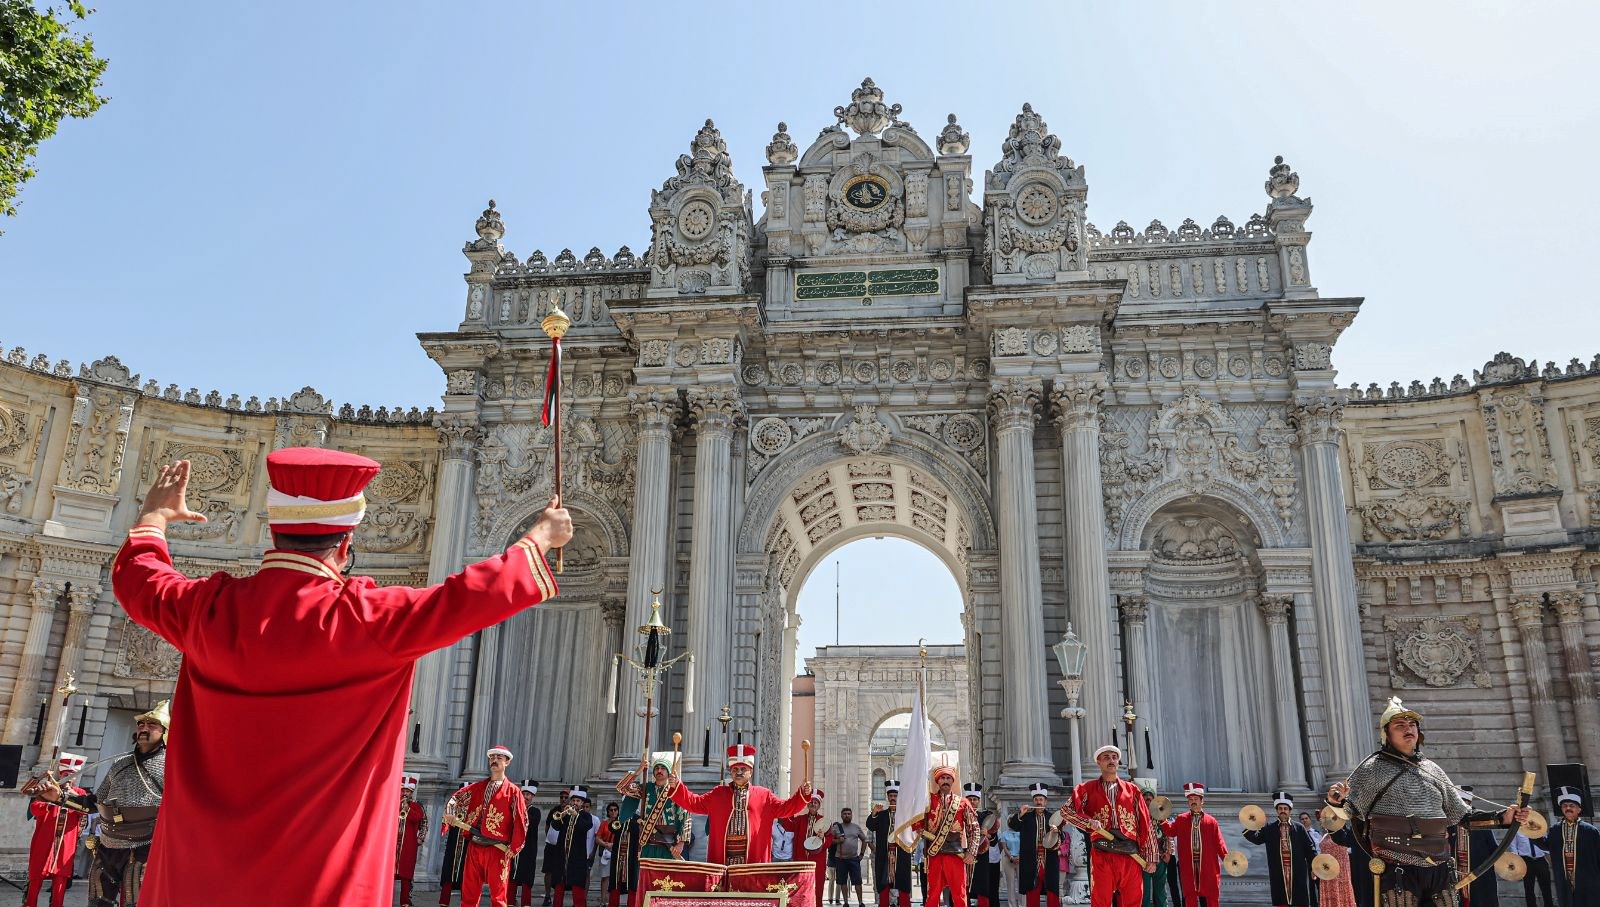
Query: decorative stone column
[(1291, 758), (80, 602), (1568, 605), (1527, 611), (1077, 411), (1025, 728), (1135, 610), (716, 410), (30, 667), (1316, 417), (453, 500), (657, 410)]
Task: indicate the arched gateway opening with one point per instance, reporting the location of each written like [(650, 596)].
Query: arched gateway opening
[(857, 687), (812, 502)]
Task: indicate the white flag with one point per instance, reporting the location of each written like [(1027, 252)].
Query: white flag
[(914, 778)]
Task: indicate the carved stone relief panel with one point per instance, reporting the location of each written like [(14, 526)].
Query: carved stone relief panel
[(1519, 446), (1435, 652), (143, 654), (97, 440), (1403, 492), (218, 488)]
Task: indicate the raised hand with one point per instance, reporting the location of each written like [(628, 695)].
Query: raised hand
[(553, 529), (166, 501)]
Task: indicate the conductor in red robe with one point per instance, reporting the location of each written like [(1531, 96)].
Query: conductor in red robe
[(301, 646), (494, 826), (1114, 804), (55, 837), (413, 826), (740, 813), (1198, 843), (812, 825)]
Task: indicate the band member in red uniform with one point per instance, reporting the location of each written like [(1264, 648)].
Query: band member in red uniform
[(1199, 845), (413, 826), (1112, 804), (812, 827), (493, 830), (740, 814), (298, 638), (55, 837), (950, 839)]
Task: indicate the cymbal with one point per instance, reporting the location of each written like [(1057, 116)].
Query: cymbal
[(1333, 818), (1252, 818), (1161, 808), (1237, 863), (1325, 867), (1537, 825), (1510, 867)]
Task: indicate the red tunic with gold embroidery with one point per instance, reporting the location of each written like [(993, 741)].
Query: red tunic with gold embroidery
[(502, 818), (298, 681), (752, 824), (1124, 811)]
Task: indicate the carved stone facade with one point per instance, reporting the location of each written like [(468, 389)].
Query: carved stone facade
[(1134, 431)]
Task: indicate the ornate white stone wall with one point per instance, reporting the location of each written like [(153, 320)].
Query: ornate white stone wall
[(1134, 430)]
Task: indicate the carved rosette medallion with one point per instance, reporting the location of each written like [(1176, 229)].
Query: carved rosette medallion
[(1435, 652)]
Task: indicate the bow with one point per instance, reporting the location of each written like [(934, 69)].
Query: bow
[(1487, 866)]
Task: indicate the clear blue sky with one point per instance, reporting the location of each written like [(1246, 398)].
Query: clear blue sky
[(891, 592), (277, 193)]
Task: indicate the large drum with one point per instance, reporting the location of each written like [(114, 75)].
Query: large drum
[(680, 875), (798, 878)]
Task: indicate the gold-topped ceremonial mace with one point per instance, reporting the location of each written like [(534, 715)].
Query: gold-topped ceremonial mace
[(726, 718), (1130, 719), (555, 324)]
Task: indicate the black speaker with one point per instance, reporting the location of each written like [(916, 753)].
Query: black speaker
[(10, 765), (1572, 774)]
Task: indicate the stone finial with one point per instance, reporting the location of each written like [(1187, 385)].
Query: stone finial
[(489, 226), (781, 151), (952, 140), (1029, 140), (867, 114), (1283, 181)]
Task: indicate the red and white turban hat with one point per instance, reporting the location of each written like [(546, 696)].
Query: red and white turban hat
[(70, 763), (315, 491), (742, 754)]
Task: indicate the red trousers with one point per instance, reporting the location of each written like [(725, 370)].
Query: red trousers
[(904, 900), (522, 893), (58, 887), (580, 895), (1114, 874), (485, 866), (1051, 898), (948, 870)]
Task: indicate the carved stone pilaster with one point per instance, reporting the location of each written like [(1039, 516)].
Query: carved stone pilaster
[(1318, 419), (1275, 609), (1527, 610), (716, 409), (1568, 605), (657, 409), (1135, 609), (1014, 403), (1075, 400), (460, 434), (612, 611)]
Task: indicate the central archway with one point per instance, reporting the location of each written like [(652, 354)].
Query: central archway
[(819, 496)]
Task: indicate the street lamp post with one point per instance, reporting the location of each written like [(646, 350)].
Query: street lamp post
[(1071, 652)]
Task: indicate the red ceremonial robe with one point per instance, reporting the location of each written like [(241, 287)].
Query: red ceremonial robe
[(413, 825), (800, 827), (1180, 829), (55, 837), (763, 807), (1127, 814), (504, 817), (298, 681)]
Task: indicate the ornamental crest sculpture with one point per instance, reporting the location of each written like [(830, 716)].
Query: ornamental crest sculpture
[(701, 224), (1034, 201)]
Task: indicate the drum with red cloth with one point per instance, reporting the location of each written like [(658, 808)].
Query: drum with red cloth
[(679, 875), (798, 877)]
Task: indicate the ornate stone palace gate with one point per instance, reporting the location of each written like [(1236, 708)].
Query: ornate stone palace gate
[(1136, 430)]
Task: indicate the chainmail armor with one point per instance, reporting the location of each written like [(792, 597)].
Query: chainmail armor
[(131, 783), (1422, 790)]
